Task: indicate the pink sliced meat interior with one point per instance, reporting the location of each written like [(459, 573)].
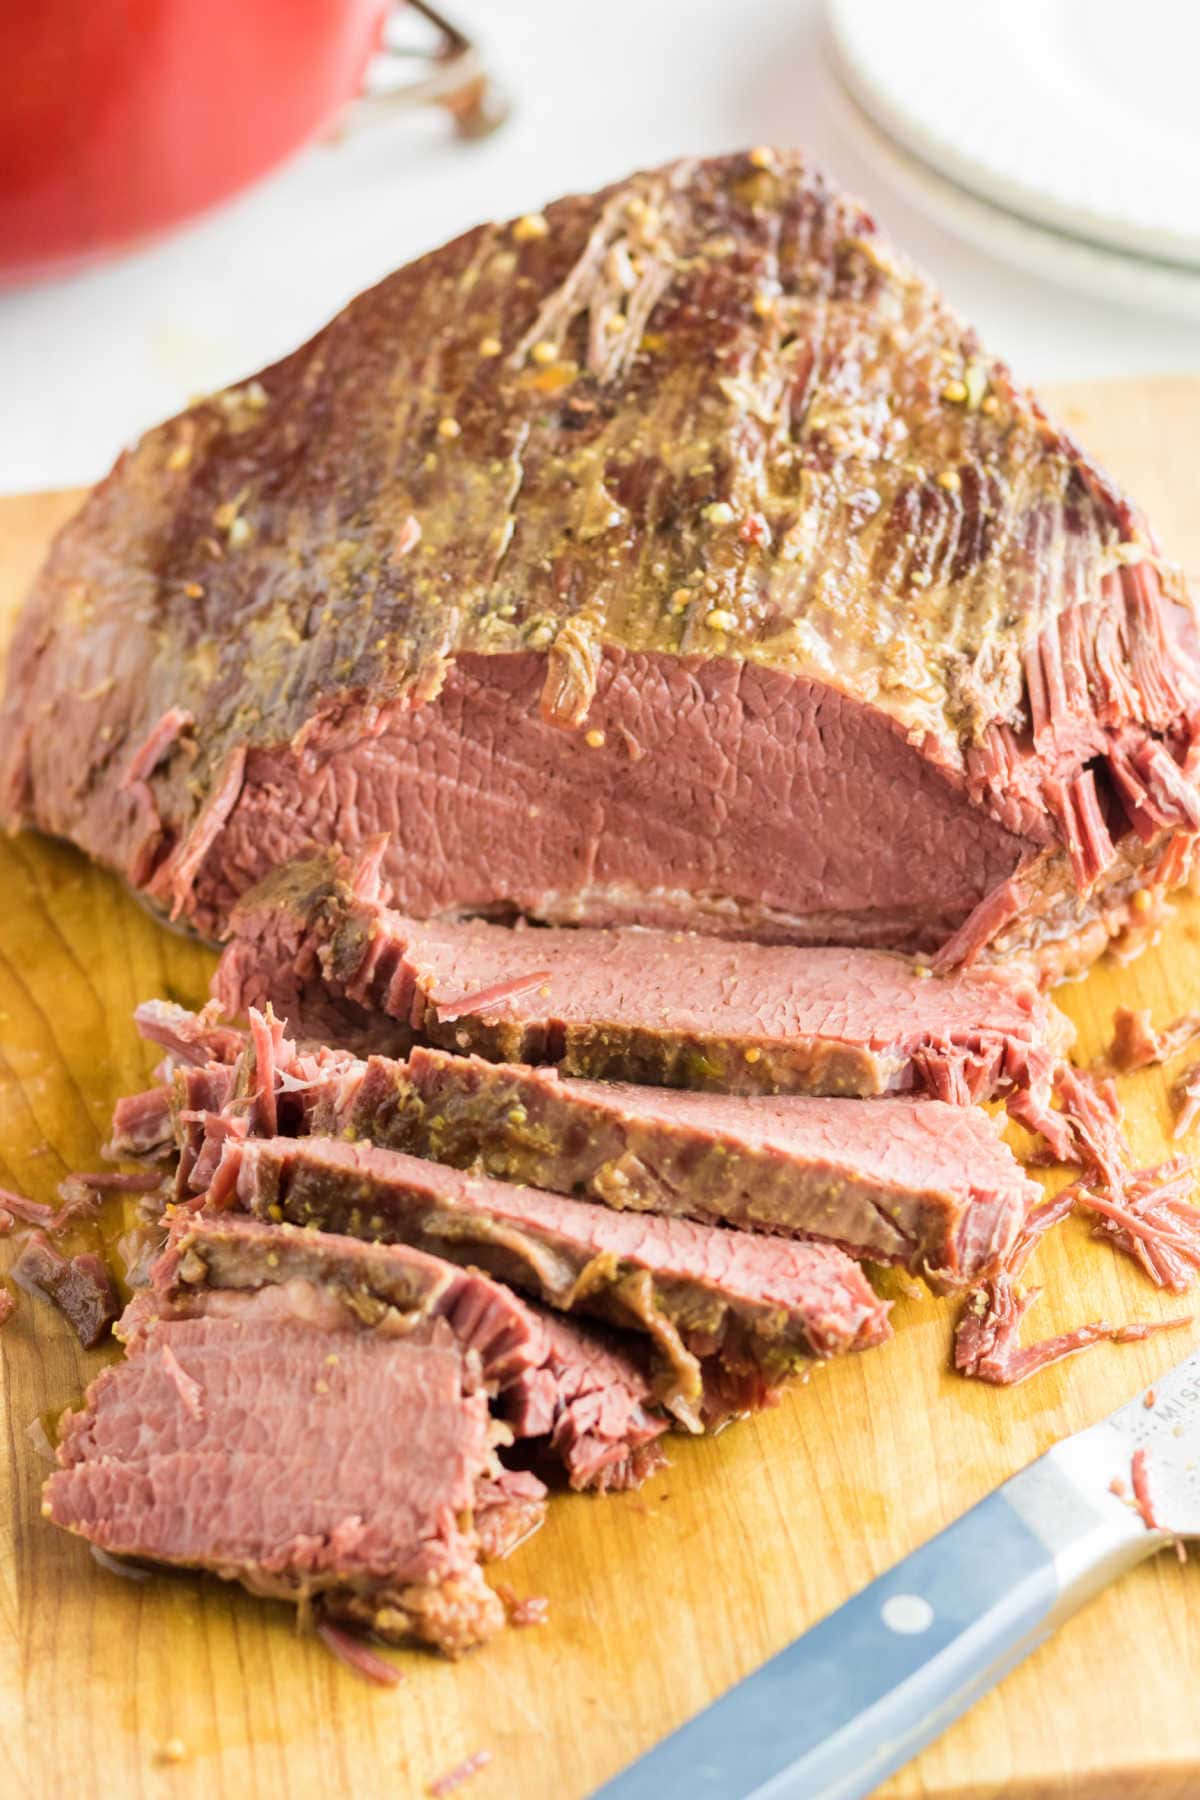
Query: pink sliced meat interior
[(669, 1008), (919, 1182), (756, 1304), (326, 1466)]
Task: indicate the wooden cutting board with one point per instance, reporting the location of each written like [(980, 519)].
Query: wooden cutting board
[(658, 1600)]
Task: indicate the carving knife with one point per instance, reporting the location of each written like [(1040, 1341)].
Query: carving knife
[(860, 1693)]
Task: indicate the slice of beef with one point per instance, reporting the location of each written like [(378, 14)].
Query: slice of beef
[(917, 1182), (334, 1281), (756, 1305), (326, 1465), (80, 1286), (1143, 1212), (647, 1006), (583, 1389), (900, 1179), (593, 1402), (142, 1125), (310, 1416), (740, 591)]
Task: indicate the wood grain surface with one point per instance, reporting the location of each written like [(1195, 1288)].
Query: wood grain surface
[(658, 1600)]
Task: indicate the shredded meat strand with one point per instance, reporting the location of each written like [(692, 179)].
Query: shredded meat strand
[(985, 1339), (32, 1212), (1186, 1099), (449, 1010), (1141, 1491), (1146, 1213), (120, 1181), (1154, 1222), (77, 1194), (1042, 1219), (357, 1655), (463, 1771), (1137, 1045)]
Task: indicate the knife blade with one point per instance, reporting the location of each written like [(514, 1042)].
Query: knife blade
[(860, 1693)]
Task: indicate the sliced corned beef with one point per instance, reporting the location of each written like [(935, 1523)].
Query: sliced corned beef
[(917, 1182), (80, 1286), (666, 1008), (331, 1281), (544, 1373), (311, 1417), (652, 1006), (309, 1464), (591, 1398), (754, 1304), (1145, 1212)]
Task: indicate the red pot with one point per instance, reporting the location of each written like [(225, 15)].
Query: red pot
[(121, 117)]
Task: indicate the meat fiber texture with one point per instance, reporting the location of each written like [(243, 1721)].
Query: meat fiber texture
[(289, 1446), (592, 1401), (583, 1389), (917, 1182), (673, 1008), (750, 1307), (676, 558)]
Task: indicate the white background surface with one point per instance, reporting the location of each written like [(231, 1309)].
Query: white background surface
[(600, 89)]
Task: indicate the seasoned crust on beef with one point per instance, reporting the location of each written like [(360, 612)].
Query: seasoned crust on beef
[(700, 1293), (758, 464), (920, 1182)]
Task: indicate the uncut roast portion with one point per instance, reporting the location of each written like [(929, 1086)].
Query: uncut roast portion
[(673, 558)]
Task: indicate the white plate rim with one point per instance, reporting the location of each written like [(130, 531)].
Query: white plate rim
[(1070, 262), (1040, 206)]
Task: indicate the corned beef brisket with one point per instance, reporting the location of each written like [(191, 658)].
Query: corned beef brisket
[(741, 591), (722, 1308), (674, 1008), (674, 568), (918, 1182), (320, 1436), (541, 1371), (312, 1415)]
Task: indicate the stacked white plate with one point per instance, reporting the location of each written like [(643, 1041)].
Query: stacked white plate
[(1063, 135)]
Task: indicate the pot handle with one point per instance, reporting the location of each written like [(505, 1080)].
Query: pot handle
[(449, 73)]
